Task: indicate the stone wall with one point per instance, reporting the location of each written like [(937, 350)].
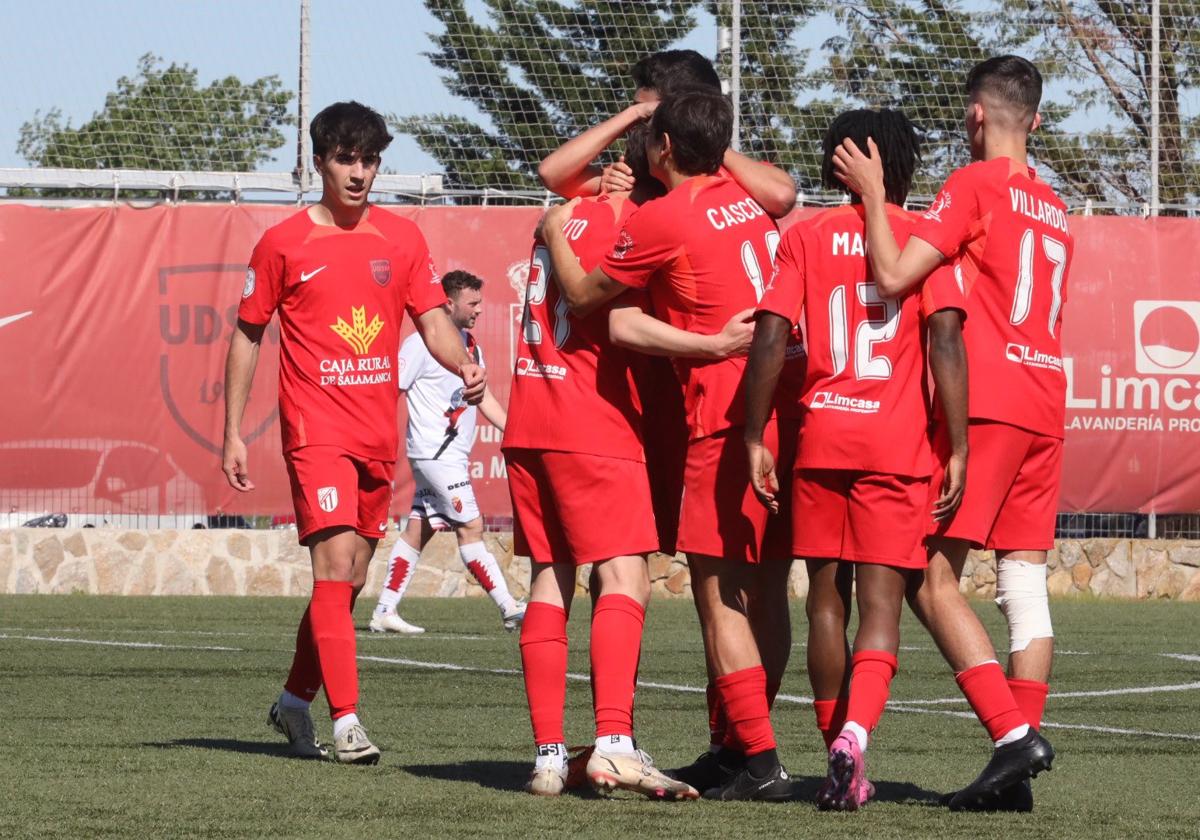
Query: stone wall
[(110, 562)]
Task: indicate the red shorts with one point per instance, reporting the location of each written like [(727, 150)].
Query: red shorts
[(1013, 481), (862, 517), (569, 507), (720, 515), (332, 488)]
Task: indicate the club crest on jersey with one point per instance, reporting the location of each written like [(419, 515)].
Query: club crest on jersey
[(624, 243), (457, 502), (327, 499), (381, 270), (942, 202), (248, 288), (358, 333)]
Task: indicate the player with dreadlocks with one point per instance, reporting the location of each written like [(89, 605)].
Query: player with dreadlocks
[(861, 491)]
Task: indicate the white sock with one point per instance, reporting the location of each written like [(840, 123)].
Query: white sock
[(401, 565), (551, 755), (291, 701), (1014, 735), (343, 723), (615, 744), (483, 566), (858, 732)]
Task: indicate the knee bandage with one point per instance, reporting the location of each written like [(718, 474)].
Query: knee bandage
[(1021, 596)]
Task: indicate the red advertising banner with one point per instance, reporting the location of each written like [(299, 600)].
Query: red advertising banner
[(114, 323)]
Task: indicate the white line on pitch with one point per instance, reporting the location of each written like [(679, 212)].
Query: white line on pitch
[(152, 645), (1107, 692), (1083, 727), (1186, 657)]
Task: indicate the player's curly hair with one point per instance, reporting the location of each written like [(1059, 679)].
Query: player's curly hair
[(896, 138), (454, 282), (350, 126)]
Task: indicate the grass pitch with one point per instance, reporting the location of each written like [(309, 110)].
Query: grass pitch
[(145, 717)]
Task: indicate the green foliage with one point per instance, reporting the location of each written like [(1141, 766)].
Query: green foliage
[(161, 119)]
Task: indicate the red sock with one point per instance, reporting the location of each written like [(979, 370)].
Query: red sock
[(870, 680), (986, 689), (304, 680), (544, 662), (831, 717), (333, 633), (1031, 699), (617, 622), (717, 725), (744, 696)]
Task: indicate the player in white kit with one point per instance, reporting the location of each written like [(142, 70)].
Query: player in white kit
[(441, 429)]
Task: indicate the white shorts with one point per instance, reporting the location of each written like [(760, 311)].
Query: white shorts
[(443, 494)]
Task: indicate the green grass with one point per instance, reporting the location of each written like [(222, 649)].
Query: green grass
[(105, 741)]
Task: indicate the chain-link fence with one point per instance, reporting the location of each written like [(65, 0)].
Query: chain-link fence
[(479, 93)]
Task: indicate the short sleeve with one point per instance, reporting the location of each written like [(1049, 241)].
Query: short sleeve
[(947, 224), (412, 360), (943, 289), (424, 283), (645, 244), (784, 295), (263, 288)]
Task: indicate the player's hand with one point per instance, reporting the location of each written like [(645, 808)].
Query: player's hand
[(234, 464), (642, 110), (474, 380), (554, 218), (617, 177), (860, 173), (762, 475), (953, 485), (735, 337)]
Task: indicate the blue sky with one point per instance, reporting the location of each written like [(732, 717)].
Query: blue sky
[(69, 54)]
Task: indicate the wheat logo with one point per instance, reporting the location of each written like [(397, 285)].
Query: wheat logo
[(361, 334)]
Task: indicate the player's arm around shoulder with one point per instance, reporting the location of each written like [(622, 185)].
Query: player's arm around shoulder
[(631, 327), (771, 187), (584, 292)]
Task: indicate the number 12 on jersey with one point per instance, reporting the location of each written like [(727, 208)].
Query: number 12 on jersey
[(535, 295), (870, 331)]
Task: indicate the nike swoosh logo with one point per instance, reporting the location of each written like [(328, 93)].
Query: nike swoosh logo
[(304, 278), (4, 322)]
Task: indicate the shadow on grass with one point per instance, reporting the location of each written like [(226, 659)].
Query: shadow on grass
[(496, 775), (226, 745)]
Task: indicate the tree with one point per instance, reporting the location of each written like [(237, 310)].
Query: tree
[(541, 71), (161, 119), (1102, 49)]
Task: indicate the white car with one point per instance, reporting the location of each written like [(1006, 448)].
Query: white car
[(96, 482)]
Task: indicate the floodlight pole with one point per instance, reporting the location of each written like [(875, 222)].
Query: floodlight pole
[(1155, 128), (303, 150), (735, 73)]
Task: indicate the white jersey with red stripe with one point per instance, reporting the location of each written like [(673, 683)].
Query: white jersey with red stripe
[(441, 424)]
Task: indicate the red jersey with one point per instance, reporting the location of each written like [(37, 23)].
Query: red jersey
[(865, 396), (704, 252), (1008, 231), (340, 295), (572, 390)]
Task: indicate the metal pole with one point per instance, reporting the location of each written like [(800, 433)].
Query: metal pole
[(1155, 129), (735, 73), (303, 149)]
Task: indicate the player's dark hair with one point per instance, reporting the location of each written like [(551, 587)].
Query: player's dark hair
[(671, 70), (350, 126), (700, 124), (637, 139), (454, 282), (1009, 78), (895, 137)]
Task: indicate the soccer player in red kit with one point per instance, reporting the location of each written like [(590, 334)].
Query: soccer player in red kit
[(580, 492), (1008, 232), (341, 275), (702, 253), (861, 489)]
